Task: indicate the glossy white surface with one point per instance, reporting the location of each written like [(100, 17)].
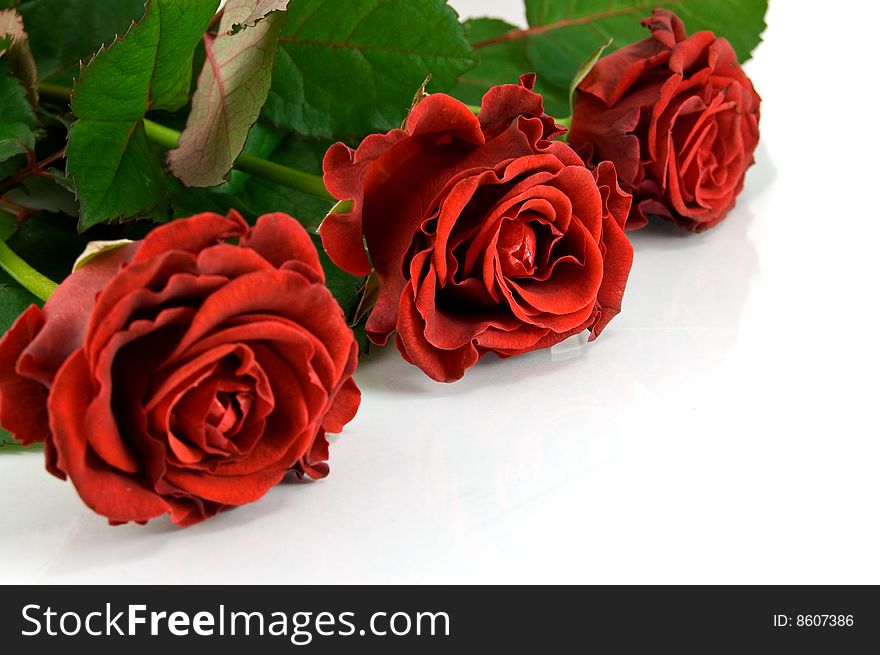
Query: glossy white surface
[(723, 429)]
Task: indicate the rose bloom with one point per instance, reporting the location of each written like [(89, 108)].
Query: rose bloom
[(679, 119), (485, 235), (184, 374)]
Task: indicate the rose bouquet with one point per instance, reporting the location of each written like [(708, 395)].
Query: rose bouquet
[(200, 341)]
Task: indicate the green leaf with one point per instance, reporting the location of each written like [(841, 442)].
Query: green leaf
[(253, 196), (345, 69), (11, 165), (260, 196), (582, 72), (562, 34), (17, 119), (8, 225), (15, 51), (260, 10), (7, 442), (47, 192), (97, 248), (501, 63), (8, 445), (13, 301), (263, 141), (65, 32), (231, 90), (55, 262), (114, 169), (345, 287)]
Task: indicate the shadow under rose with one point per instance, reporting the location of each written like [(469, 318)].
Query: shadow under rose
[(85, 542), (385, 370)]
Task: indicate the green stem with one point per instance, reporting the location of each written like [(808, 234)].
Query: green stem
[(23, 273), (268, 170), (290, 177), (160, 134)]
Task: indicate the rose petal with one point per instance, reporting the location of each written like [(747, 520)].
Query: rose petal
[(616, 267), (344, 405), (442, 113), (191, 234), (503, 104), (227, 489), (281, 239), (105, 439), (107, 491), (67, 314), (441, 365), (313, 463), (22, 400)]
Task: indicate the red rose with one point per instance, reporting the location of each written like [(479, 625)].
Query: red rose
[(183, 373), (679, 119), (486, 236)]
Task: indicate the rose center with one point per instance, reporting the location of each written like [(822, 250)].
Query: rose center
[(516, 248), (228, 410), (214, 417)]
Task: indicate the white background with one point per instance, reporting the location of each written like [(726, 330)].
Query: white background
[(722, 429)]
